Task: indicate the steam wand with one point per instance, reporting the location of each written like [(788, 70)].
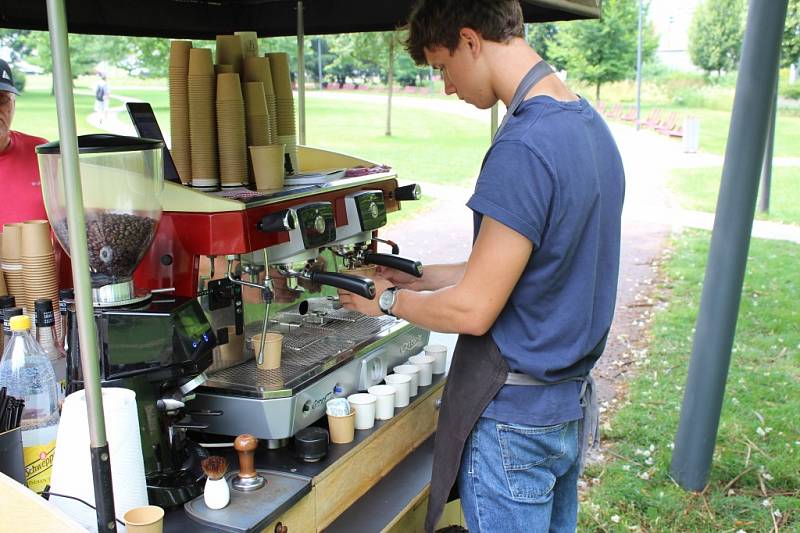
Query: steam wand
[(266, 293)]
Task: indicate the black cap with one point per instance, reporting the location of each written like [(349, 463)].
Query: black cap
[(8, 312), (7, 301), (7, 78), (44, 312), (66, 294)]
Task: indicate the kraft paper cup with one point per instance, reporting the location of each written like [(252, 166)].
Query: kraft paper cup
[(267, 166), (249, 40), (200, 62), (402, 385), (384, 401), (342, 428), (272, 350), (147, 519), (425, 364), (413, 371), (281, 78), (229, 87), (229, 51), (364, 406), (36, 239), (179, 54), (223, 69), (439, 354), (255, 100), (12, 242), (258, 69), (3, 288)]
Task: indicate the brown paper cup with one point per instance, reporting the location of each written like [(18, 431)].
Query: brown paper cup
[(146, 519), (223, 69), (36, 239), (255, 101), (281, 78), (229, 51), (3, 289), (229, 87), (258, 69), (268, 166), (342, 428), (272, 350), (12, 242), (249, 41), (200, 62), (179, 54)]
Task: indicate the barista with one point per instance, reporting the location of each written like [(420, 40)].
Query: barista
[(19, 170)]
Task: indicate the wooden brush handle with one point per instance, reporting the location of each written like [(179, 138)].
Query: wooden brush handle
[(245, 445)]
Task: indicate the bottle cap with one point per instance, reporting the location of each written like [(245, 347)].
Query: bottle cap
[(66, 294), (20, 323), (43, 308), (8, 312), (7, 301)]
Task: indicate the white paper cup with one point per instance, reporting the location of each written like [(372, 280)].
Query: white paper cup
[(364, 406), (413, 371), (384, 401), (402, 385), (425, 364), (439, 354)]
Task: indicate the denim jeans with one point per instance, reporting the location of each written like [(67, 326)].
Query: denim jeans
[(520, 478)]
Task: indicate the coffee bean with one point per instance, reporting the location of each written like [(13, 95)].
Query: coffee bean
[(116, 242)]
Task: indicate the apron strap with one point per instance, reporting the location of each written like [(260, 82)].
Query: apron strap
[(538, 72)]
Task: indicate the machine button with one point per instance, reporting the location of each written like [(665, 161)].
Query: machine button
[(337, 389), (319, 224), (307, 406), (166, 260)]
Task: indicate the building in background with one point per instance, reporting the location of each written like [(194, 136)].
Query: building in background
[(671, 20)]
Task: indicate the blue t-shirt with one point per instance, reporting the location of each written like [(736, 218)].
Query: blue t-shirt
[(554, 175)]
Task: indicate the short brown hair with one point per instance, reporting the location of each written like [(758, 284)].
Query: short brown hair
[(435, 23)]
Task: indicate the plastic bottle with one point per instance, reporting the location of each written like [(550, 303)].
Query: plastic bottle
[(47, 337), (27, 373), (8, 312)]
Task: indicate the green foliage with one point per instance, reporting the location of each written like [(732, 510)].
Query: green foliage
[(755, 477), (715, 35), (602, 51), (791, 91), (542, 37), (19, 79), (790, 48)]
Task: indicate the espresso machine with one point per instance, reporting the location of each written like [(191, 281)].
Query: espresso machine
[(150, 341), (278, 258)]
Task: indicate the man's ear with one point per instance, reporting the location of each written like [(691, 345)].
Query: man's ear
[(472, 39)]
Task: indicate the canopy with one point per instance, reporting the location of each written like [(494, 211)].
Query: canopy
[(204, 19)]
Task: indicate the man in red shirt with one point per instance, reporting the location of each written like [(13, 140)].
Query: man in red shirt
[(19, 168)]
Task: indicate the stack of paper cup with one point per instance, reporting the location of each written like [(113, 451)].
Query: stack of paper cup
[(287, 122), (258, 69), (229, 51), (72, 467), (203, 119), (11, 261), (439, 354), (425, 365), (180, 145), (256, 114), (249, 40), (223, 69), (231, 131), (38, 266), (413, 372)]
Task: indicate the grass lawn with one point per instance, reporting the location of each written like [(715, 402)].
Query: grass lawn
[(755, 478), (36, 114), (697, 189)]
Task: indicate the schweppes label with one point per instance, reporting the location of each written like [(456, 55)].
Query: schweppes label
[(38, 465)]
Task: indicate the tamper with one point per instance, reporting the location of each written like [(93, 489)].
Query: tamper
[(247, 479)]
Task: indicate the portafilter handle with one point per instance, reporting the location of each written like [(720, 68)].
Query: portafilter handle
[(363, 287), (403, 264)]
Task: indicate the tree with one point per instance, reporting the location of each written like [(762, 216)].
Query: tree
[(603, 51), (715, 35), (790, 49), (542, 37)]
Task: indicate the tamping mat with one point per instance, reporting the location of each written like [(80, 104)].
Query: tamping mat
[(252, 511)]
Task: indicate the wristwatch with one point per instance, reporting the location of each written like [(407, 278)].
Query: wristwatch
[(387, 300)]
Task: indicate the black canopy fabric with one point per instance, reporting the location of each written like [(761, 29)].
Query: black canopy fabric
[(204, 19)]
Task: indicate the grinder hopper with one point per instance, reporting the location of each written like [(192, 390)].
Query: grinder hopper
[(122, 182)]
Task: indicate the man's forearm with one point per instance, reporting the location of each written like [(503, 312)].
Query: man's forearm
[(436, 277)]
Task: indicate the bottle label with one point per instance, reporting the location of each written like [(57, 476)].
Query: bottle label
[(38, 465)]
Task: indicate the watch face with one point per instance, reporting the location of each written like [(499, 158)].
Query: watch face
[(386, 300)]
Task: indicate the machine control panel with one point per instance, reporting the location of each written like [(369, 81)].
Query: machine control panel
[(317, 224), (371, 209)]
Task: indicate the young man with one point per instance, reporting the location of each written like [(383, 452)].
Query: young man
[(19, 167), (534, 302), (102, 96)]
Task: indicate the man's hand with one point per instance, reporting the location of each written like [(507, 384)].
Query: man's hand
[(362, 305), (398, 278)]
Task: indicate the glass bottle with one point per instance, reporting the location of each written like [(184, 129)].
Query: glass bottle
[(27, 373), (9, 312), (47, 337)]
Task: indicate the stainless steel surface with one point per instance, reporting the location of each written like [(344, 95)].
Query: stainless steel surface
[(192, 384), (119, 294), (247, 484)]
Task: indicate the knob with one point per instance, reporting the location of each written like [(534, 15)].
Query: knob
[(248, 479), (280, 528)]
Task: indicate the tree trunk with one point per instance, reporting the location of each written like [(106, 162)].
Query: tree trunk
[(597, 92), (390, 83)]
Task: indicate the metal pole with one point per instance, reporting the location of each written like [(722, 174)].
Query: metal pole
[(766, 169), (319, 61), (301, 75), (639, 71), (730, 241), (79, 253)]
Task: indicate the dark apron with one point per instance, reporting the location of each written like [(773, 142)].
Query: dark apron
[(477, 373)]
